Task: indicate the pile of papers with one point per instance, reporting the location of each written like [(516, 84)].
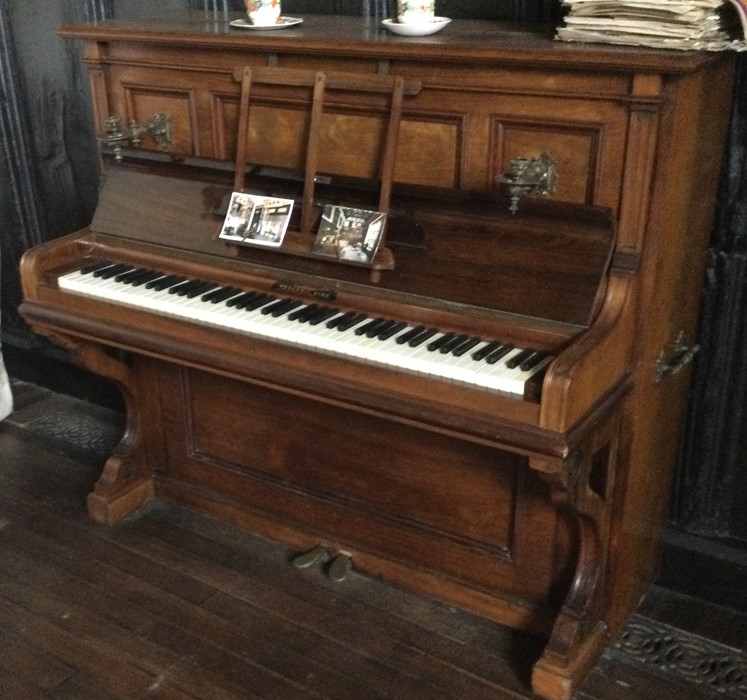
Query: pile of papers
[(667, 24)]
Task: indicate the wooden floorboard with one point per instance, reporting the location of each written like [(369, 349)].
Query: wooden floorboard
[(172, 604)]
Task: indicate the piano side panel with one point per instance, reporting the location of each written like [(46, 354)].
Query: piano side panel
[(307, 472)]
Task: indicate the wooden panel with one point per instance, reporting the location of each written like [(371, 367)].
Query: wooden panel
[(443, 135), (143, 102), (466, 510), (575, 150)]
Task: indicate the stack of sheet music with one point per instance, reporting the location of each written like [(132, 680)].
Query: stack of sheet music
[(669, 24)]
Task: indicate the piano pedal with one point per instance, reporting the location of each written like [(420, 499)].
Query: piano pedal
[(308, 559), (340, 567)]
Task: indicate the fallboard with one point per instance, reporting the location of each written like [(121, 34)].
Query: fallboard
[(452, 251)]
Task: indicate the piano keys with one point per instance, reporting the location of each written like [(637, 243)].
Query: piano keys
[(485, 363)]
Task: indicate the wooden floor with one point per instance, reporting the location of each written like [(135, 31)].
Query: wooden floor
[(171, 604)]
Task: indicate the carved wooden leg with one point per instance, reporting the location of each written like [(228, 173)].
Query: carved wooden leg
[(577, 638), (581, 489), (126, 482)]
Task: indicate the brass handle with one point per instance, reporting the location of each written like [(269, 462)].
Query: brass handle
[(681, 356), (158, 127), (530, 176)]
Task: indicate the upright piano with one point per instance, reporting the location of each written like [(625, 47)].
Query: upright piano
[(488, 411)]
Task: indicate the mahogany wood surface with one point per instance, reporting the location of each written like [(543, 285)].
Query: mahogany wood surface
[(539, 511)]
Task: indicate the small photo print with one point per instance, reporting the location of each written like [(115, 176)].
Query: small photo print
[(255, 220), (348, 234)]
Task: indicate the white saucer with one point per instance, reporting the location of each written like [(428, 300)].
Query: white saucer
[(416, 29), (282, 23)]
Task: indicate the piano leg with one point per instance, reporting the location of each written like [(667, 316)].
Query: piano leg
[(581, 489), (578, 636), (126, 482)]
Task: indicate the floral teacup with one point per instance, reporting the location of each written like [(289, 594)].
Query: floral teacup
[(415, 11), (263, 13)]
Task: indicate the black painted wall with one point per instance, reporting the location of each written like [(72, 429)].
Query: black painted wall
[(48, 183)]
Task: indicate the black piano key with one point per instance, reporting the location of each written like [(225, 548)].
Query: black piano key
[(484, 351), (200, 290), (177, 288), (518, 358), (220, 294), (109, 272), (368, 326), (147, 276), (303, 313), (280, 305), (412, 333), (293, 304), (92, 267), (421, 337), (532, 361), (392, 330), (382, 328), (124, 276), (342, 318), (438, 342), (239, 301), (165, 282), (379, 325), (450, 345), (347, 325), (499, 353), (322, 315), (465, 347), (192, 290), (259, 302)]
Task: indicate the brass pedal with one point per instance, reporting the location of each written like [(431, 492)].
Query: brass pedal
[(340, 567), (307, 559)]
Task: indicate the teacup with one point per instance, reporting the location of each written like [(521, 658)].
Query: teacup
[(415, 11), (263, 13)]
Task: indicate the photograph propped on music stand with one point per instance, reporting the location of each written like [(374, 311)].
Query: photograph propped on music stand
[(349, 234), (256, 220)]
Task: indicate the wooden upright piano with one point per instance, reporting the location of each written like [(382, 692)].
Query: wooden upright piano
[(534, 501)]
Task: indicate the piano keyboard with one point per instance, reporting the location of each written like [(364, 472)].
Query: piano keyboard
[(469, 360)]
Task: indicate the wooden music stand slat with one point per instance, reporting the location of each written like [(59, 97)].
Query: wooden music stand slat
[(321, 83)]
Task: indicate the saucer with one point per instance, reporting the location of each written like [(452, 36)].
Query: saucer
[(282, 23), (416, 29)]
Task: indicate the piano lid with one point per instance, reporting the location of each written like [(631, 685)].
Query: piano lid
[(463, 253)]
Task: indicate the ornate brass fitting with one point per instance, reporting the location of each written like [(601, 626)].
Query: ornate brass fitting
[(530, 177), (158, 128), (680, 356)]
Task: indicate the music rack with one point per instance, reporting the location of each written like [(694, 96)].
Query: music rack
[(299, 241)]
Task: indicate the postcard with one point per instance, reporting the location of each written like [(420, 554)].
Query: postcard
[(349, 234), (256, 220)]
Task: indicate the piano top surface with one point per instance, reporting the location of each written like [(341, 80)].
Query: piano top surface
[(477, 41)]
